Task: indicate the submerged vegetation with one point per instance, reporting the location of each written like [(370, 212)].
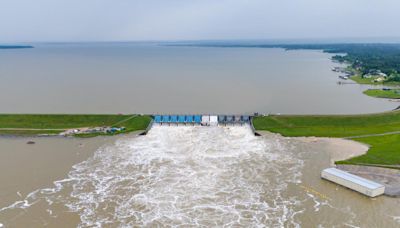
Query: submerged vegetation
[(34, 124), (380, 131)]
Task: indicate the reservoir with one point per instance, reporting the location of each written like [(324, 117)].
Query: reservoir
[(151, 78)]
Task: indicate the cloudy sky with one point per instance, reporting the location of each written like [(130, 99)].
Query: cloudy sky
[(125, 20)]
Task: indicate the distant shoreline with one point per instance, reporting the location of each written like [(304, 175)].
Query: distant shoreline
[(15, 46)]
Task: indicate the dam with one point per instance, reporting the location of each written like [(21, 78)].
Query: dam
[(203, 120)]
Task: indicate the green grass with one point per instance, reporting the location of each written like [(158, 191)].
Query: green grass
[(383, 148), (49, 124), (370, 81), (391, 94), (330, 125), (134, 124), (29, 133), (361, 80)]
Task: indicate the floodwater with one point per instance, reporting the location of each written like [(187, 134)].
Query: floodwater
[(191, 176), (150, 78)]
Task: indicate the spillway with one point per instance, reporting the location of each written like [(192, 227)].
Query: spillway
[(181, 176), (195, 176)]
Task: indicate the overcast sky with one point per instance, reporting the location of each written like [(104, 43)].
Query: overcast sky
[(126, 20)]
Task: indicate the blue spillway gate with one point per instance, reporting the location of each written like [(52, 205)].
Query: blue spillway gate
[(165, 119), (189, 119), (157, 119), (173, 119), (181, 119), (197, 119)]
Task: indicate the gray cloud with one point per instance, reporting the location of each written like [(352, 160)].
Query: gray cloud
[(107, 20)]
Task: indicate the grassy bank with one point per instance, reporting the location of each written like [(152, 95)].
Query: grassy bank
[(32, 124), (384, 151), (384, 148), (379, 93), (370, 81), (361, 80)]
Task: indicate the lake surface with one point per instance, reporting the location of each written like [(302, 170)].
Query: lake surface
[(149, 78)]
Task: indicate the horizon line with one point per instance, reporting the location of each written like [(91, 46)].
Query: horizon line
[(270, 40)]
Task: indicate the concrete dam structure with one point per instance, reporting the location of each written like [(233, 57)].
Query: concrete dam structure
[(203, 120)]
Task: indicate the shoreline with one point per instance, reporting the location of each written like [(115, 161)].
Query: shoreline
[(344, 149), (353, 148), (78, 125)]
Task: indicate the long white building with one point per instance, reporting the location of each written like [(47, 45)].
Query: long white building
[(353, 182)]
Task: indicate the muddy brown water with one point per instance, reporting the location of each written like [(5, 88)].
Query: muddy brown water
[(181, 176)]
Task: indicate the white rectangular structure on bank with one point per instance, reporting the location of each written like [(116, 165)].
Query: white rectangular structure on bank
[(353, 182)]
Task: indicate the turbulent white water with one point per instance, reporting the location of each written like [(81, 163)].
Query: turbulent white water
[(182, 176), (191, 176), (186, 176)]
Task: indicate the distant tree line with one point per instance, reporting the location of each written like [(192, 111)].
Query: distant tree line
[(365, 58)]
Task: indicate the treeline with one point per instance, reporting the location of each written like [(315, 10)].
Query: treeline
[(366, 58)]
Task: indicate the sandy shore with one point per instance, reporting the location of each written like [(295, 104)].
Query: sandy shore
[(342, 149), (339, 149)]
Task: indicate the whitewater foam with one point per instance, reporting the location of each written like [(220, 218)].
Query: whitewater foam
[(187, 176), (182, 176)]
